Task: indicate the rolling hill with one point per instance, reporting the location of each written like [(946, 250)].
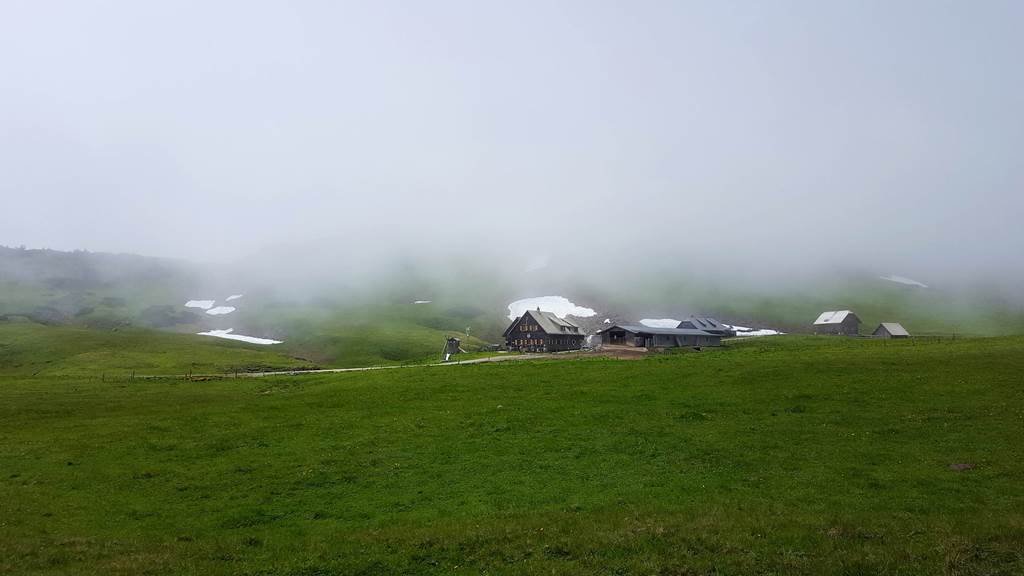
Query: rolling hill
[(338, 317)]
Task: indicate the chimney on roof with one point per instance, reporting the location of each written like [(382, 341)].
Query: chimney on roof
[(538, 308)]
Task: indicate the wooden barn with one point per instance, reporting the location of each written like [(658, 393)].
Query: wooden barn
[(890, 330), (648, 337), (537, 331), (841, 322)]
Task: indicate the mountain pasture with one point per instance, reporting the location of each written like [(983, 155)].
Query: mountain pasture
[(784, 455)]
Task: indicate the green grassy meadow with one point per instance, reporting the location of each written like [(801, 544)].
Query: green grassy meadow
[(28, 349), (785, 455), (371, 333)]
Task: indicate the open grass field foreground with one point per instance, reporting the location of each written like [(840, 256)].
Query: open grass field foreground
[(785, 455)]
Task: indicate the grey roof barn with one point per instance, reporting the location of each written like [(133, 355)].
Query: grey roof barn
[(650, 337), (842, 322), (709, 325), (890, 330)]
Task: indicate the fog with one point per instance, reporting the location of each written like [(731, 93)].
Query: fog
[(779, 139)]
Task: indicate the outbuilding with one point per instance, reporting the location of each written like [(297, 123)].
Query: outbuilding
[(841, 322), (890, 330), (649, 337)]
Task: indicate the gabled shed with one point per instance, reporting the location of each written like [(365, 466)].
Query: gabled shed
[(890, 330), (841, 322)]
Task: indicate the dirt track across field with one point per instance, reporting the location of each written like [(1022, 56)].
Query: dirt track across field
[(617, 352)]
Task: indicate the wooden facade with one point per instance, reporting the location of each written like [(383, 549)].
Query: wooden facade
[(537, 331)]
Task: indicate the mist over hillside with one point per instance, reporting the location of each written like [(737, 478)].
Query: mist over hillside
[(316, 297), (333, 164), (760, 145)]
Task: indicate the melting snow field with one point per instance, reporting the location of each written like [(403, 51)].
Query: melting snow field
[(743, 331), (228, 334), (660, 322), (204, 304), (220, 310), (233, 297), (422, 301), (559, 305), (903, 280)]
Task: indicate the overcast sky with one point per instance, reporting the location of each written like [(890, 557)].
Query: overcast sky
[(885, 132)]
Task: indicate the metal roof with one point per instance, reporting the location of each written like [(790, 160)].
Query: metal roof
[(834, 317), (702, 323), (550, 323), (894, 328), (638, 329)]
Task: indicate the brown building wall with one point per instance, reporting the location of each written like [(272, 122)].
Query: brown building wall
[(526, 335)]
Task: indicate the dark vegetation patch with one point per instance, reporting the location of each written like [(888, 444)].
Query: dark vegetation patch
[(167, 316), (49, 316)]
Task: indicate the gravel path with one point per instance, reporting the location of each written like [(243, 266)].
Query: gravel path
[(504, 358)]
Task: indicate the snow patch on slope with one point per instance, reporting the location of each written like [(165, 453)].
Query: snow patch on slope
[(229, 335), (903, 280), (204, 304), (559, 305), (743, 331)]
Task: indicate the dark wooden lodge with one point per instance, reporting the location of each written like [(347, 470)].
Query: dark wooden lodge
[(537, 331)]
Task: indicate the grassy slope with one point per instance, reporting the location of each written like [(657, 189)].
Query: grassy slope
[(363, 336), (372, 322), (370, 333), (792, 309), (28, 349), (922, 311), (787, 455)]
